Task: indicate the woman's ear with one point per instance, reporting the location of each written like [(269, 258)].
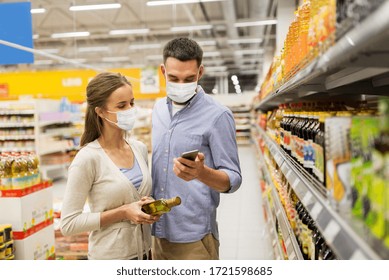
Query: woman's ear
[(99, 112)]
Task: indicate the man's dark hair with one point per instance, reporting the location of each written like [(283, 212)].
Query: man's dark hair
[(183, 49)]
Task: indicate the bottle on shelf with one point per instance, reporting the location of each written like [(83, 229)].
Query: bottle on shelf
[(161, 206)]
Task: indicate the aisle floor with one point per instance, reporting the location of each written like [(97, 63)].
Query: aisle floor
[(243, 235), (242, 230)]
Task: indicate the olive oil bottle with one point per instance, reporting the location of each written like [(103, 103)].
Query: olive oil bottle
[(161, 206)]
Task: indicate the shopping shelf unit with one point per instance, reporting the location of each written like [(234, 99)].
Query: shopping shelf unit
[(29, 126), (355, 65), (276, 213), (354, 68), (344, 237), (242, 116)]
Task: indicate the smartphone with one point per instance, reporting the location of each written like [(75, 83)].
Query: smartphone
[(191, 155)]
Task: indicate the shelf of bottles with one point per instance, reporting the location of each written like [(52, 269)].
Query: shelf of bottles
[(344, 236), (284, 241), (336, 47)]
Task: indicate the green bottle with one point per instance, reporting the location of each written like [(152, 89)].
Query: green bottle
[(161, 206)]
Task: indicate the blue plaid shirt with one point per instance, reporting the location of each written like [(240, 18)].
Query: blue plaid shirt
[(205, 125)]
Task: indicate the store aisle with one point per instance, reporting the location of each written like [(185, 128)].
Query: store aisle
[(243, 235)]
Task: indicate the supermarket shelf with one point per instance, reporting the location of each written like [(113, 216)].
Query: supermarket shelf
[(338, 233), (356, 64), (278, 254), (292, 248), (47, 123), (10, 125), (17, 137), (17, 112)]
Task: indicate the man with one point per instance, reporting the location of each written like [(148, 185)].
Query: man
[(188, 119)]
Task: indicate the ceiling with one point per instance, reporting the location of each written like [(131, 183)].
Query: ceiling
[(228, 49)]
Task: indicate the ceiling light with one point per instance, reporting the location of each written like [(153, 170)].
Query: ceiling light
[(154, 57), (115, 59), (207, 43), (252, 51), (95, 7), (234, 78), (43, 62), (49, 50), (256, 23), (94, 49), (210, 54), (70, 34), (129, 31), (216, 68), (38, 11), (191, 27), (144, 46), (173, 2), (245, 41)]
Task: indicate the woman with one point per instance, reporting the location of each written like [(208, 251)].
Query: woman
[(112, 173)]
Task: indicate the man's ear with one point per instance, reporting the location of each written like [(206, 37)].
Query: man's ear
[(163, 69), (201, 71)]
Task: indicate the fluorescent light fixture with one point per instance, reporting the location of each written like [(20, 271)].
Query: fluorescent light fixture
[(155, 57), (174, 2), (95, 7), (145, 46), (38, 11), (245, 41), (210, 62), (129, 31), (49, 50), (210, 54), (115, 59), (43, 62), (252, 51), (207, 43), (256, 23), (190, 28), (78, 60), (94, 49), (70, 34), (216, 68), (35, 36)]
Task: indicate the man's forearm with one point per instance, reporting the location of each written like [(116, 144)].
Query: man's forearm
[(215, 179)]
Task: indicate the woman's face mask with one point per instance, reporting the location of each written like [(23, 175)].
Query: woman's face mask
[(125, 119)]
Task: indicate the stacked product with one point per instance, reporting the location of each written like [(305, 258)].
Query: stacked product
[(6, 242), (26, 203)]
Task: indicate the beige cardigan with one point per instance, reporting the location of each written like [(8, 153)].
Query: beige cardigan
[(94, 176)]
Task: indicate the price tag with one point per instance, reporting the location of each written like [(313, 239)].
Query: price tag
[(292, 256), (307, 198), (284, 168), (295, 183), (316, 210), (331, 231), (358, 255)]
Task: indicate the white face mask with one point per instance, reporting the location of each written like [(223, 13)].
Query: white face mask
[(180, 92), (126, 119)]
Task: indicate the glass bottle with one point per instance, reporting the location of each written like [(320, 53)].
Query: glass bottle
[(161, 206)]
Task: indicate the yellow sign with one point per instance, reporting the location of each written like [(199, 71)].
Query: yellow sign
[(69, 83)]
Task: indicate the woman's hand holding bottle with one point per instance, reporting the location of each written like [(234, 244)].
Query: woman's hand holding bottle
[(134, 213)]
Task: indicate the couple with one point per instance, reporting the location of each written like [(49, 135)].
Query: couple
[(112, 173)]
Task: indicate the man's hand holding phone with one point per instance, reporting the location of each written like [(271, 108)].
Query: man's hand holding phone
[(189, 166)]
